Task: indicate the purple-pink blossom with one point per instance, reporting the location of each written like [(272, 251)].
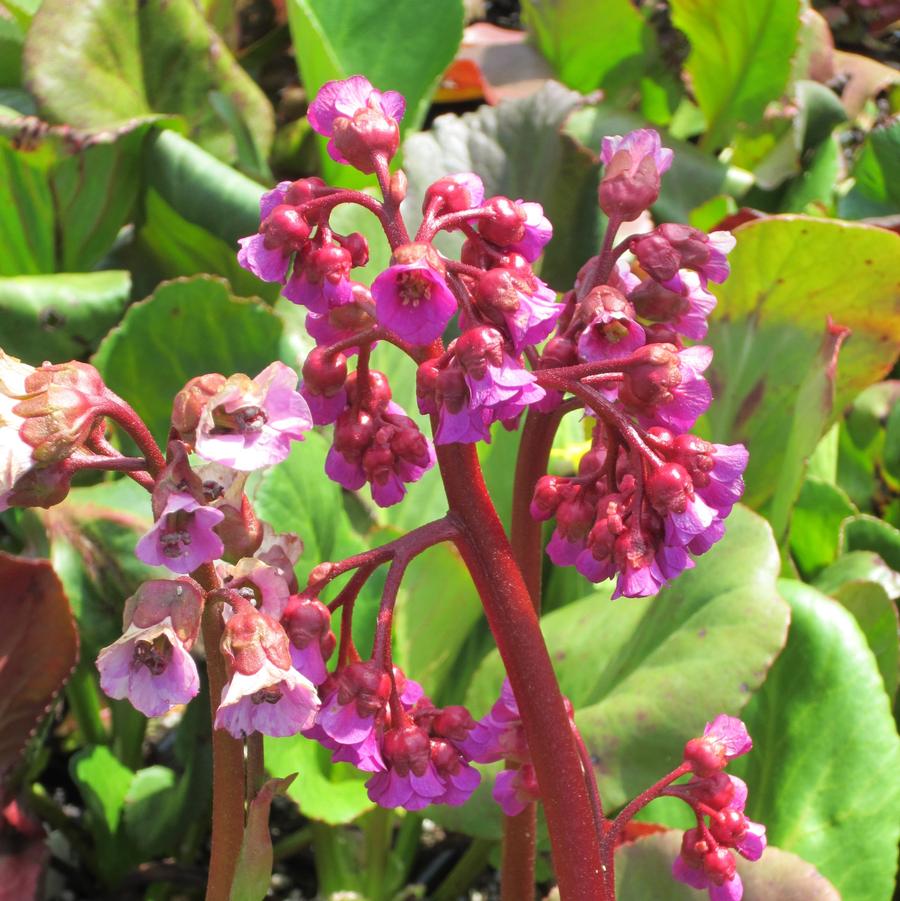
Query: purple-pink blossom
[(250, 423), (182, 538)]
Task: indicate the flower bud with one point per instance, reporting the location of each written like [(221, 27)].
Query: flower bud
[(284, 229), (357, 246), (506, 222), (729, 827), (656, 256), (452, 390), (60, 407), (670, 489), (498, 290), (706, 756), (719, 865), (377, 393), (478, 347), (365, 683), (190, 402), (306, 620), (559, 351), (454, 723), (691, 244), (354, 431), (408, 749), (454, 193), (652, 301), (649, 380), (328, 261), (304, 189), (547, 497), (324, 373), (251, 638), (240, 530), (631, 176), (370, 133)]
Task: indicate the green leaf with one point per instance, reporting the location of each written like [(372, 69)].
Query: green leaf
[(876, 614), (867, 533), (104, 784), (193, 211), (788, 275), (151, 816), (644, 871), (740, 57), (822, 773), (38, 651), (694, 178), (858, 565), (60, 317), (877, 176), (12, 38), (331, 792), (75, 189), (812, 412), (125, 53), (591, 43), (253, 870), (816, 523), (431, 626), (188, 327), (391, 42), (631, 668), (502, 144)]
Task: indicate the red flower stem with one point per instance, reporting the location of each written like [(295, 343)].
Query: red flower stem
[(584, 370), (429, 228), (590, 780), (602, 265), (112, 464), (96, 442), (349, 593), (228, 757), (122, 413), (394, 226), (626, 814), (514, 624)]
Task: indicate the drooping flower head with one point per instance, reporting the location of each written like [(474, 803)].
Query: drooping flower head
[(151, 664), (182, 537), (264, 692), (361, 122)]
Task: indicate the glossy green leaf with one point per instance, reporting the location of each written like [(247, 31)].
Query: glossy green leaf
[(104, 783), (253, 870), (193, 211), (852, 566), (877, 175), (60, 317), (74, 189), (740, 57), (644, 871), (823, 771), (438, 608), (125, 53), (502, 144), (876, 614), (591, 43), (867, 533), (816, 523), (151, 815), (331, 792), (788, 275), (188, 327), (391, 42), (38, 650), (631, 667), (694, 178)]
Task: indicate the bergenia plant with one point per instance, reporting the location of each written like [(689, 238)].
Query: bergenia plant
[(491, 343)]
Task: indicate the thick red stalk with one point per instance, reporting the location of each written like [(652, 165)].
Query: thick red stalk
[(228, 758), (514, 623)]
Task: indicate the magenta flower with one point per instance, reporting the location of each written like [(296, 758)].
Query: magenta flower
[(608, 335), (631, 178), (250, 423), (274, 701), (682, 302), (498, 735), (324, 410), (724, 739), (411, 779), (320, 280), (504, 390), (689, 399), (515, 789), (267, 263), (282, 232), (524, 303), (714, 871), (307, 623), (412, 298), (538, 231), (726, 483), (183, 537), (151, 667), (272, 199), (359, 120)]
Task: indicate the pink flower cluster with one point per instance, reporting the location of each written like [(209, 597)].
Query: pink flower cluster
[(706, 860)]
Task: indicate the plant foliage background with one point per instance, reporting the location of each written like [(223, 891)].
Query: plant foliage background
[(135, 141)]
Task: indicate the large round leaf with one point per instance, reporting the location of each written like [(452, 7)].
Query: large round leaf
[(823, 770), (190, 326), (644, 872), (645, 674), (788, 275)]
